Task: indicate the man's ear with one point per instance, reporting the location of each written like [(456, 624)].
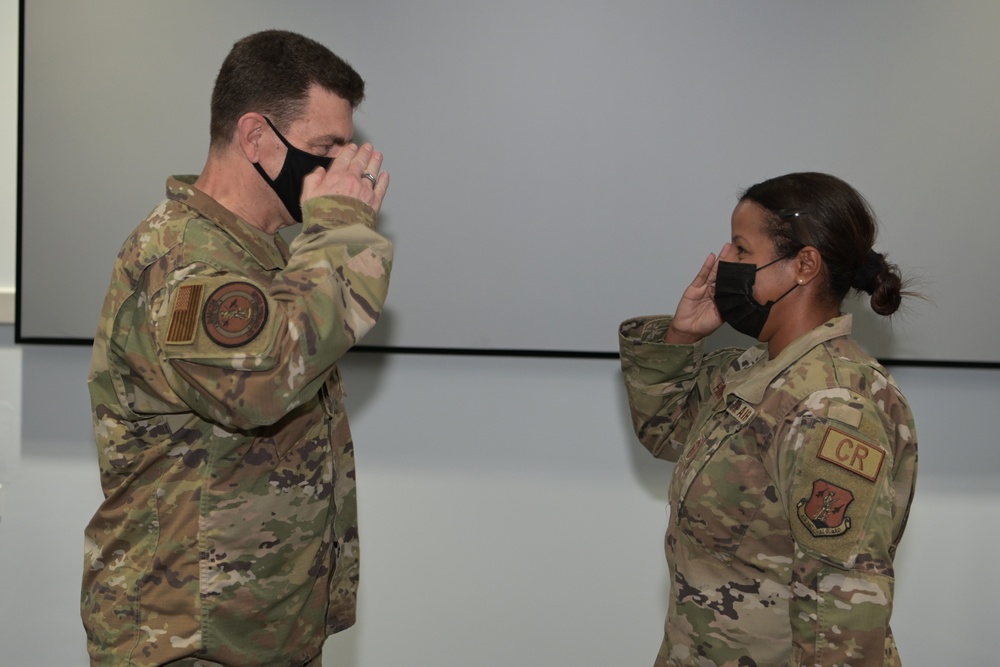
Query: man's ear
[(249, 133)]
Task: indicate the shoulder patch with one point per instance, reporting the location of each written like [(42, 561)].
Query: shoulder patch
[(837, 493), (741, 411), (851, 454), (184, 316), (719, 388), (845, 414), (234, 314), (824, 512)]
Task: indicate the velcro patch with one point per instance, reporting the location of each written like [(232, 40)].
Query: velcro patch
[(718, 389), (741, 411), (234, 314), (845, 414), (184, 317), (851, 454)]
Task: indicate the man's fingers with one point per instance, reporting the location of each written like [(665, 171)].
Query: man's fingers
[(342, 160), (374, 163), (381, 185), (313, 179), (371, 169), (356, 171), (360, 160)]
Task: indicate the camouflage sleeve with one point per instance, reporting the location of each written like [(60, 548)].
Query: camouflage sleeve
[(243, 354), (663, 382), (834, 472)]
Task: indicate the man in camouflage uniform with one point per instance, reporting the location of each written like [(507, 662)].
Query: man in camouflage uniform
[(791, 488), (228, 534)]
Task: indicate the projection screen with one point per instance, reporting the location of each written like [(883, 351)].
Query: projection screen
[(556, 166)]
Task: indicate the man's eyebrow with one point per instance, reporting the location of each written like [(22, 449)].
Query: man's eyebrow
[(334, 139)]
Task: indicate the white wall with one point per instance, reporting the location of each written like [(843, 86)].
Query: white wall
[(508, 516)]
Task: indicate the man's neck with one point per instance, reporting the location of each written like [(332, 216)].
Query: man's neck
[(239, 188)]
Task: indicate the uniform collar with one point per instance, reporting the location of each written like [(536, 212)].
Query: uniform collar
[(752, 390), (270, 251)]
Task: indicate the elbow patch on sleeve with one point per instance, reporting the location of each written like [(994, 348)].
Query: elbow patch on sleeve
[(218, 320), (837, 493)]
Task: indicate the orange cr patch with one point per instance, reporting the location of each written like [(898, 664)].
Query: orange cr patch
[(852, 454)]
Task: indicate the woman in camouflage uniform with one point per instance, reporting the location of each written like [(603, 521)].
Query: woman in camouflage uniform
[(796, 458)]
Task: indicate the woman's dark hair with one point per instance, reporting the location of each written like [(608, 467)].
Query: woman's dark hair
[(822, 211), (271, 72)]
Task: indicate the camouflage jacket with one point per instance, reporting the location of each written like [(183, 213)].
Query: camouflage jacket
[(228, 533), (791, 488)]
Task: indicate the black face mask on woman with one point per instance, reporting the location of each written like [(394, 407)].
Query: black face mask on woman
[(288, 184), (734, 297)]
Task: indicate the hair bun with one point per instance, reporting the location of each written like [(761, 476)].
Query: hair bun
[(864, 277)]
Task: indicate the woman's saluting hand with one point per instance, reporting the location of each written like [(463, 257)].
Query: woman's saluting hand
[(696, 315)]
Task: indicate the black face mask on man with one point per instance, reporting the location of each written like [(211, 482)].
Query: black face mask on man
[(288, 184), (734, 297)]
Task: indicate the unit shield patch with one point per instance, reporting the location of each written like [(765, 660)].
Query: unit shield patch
[(824, 512), (234, 314)]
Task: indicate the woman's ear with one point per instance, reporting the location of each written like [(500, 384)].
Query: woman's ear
[(808, 265)]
